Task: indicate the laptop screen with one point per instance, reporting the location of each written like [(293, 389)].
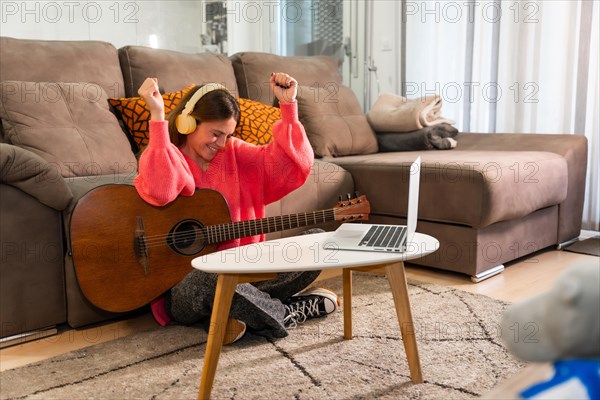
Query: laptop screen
[(378, 237), (413, 198)]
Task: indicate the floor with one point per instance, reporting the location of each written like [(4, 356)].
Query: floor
[(519, 280)]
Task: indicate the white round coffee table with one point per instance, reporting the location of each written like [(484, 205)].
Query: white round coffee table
[(262, 261)]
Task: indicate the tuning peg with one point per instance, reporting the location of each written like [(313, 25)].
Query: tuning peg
[(340, 197), (356, 194), (349, 196)]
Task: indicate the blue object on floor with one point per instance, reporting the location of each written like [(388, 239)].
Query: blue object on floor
[(573, 379)]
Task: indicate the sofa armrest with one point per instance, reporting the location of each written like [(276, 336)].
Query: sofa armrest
[(33, 175), (572, 147)]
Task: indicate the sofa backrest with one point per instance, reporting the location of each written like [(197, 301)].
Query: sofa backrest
[(174, 70), (54, 103), (61, 61), (253, 70)]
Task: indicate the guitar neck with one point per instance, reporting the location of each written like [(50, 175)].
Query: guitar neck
[(235, 230)]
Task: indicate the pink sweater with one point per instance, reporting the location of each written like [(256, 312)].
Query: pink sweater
[(248, 176)]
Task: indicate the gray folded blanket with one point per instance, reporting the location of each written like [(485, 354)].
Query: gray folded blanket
[(440, 137)]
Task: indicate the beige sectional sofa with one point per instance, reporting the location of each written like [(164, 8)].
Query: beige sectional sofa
[(493, 199)]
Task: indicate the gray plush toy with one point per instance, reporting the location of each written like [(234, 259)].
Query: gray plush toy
[(562, 323)]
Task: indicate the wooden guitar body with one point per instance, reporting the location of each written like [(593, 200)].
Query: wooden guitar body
[(106, 253)]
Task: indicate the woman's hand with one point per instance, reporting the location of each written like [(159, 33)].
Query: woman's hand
[(284, 87), (151, 95)]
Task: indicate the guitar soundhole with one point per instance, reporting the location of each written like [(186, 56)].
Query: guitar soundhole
[(187, 237)]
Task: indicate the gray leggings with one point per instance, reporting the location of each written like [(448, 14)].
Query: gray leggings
[(258, 304)]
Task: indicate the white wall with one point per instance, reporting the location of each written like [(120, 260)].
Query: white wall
[(174, 25), (385, 47), (178, 25), (252, 26)]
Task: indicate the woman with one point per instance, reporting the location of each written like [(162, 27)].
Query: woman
[(195, 149)]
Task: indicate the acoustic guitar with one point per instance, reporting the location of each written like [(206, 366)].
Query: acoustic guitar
[(127, 252)]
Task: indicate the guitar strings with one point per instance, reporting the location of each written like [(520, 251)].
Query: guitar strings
[(223, 232)]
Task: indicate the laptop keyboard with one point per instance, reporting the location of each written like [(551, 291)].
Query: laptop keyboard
[(384, 236)]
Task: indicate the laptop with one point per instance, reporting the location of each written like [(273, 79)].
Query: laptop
[(377, 237)]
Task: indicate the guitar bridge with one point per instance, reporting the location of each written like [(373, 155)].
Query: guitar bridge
[(141, 246)]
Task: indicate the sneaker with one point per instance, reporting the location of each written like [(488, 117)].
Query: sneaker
[(311, 303), (234, 331)]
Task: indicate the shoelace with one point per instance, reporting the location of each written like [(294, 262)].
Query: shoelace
[(301, 311)]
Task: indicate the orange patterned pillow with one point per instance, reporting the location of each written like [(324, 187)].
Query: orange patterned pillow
[(256, 120), (135, 113)]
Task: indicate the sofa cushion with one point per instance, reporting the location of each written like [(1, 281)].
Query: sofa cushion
[(61, 61), (256, 121), (33, 175), (472, 188), (173, 69), (134, 112), (253, 70), (334, 122), (70, 125)]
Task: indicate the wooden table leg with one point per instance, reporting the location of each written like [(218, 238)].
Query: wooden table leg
[(226, 285), (347, 283), (397, 279)]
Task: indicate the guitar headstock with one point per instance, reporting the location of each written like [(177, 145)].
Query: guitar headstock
[(353, 209)]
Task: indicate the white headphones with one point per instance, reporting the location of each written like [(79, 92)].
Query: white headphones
[(184, 122)]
